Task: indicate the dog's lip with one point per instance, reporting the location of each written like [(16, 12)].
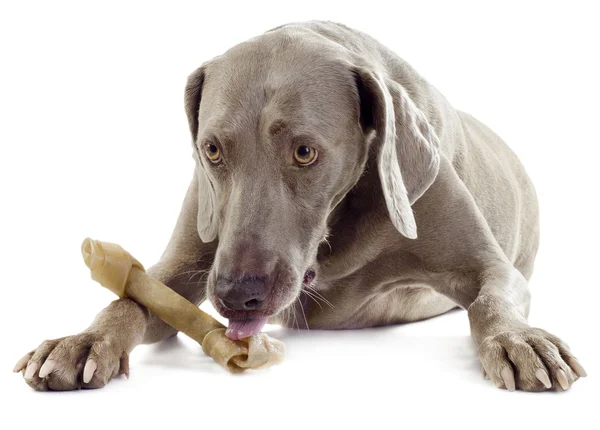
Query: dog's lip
[(240, 315), (245, 315)]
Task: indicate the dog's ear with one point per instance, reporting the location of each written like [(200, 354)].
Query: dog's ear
[(207, 219), (407, 145), (192, 96)]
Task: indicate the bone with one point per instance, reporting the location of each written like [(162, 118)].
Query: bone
[(115, 269), (250, 353), (508, 377), (22, 363), (543, 377), (88, 370), (47, 368)]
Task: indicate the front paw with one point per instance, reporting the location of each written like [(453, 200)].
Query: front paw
[(86, 360), (529, 359)]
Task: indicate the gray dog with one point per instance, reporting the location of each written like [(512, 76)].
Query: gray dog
[(326, 165)]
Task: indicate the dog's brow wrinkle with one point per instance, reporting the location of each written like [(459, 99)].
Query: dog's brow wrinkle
[(277, 127)]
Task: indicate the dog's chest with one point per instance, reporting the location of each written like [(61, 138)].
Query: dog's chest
[(404, 303), (346, 307)]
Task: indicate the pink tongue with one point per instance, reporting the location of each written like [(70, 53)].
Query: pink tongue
[(239, 329)]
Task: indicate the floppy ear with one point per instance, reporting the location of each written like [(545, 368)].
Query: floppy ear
[(207, 220), (408, 158)]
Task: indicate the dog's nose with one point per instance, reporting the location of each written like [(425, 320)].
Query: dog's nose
[(242, 294)]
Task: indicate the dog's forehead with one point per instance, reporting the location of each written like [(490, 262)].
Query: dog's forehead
[(266, 82)]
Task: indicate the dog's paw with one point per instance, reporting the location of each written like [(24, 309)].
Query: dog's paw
[(529, 359), (86, 360)]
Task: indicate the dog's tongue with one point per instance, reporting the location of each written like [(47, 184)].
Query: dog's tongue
[(239, 329)]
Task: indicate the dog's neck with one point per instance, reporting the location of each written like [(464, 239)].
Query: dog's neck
[(348, 249)]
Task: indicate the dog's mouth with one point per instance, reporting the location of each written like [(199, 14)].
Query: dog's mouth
[(242, 326), (239, 329)]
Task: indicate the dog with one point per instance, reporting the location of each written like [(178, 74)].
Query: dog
[(328, 172)]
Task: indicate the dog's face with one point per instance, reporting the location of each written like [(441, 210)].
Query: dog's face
[(281, 133)]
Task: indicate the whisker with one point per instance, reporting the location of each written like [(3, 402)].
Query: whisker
[(293, 312), (286, 317), (197, 272), (320, 296), (303, 314), (308, 294), (194, 273), (203, 273), (200, 259), (186, 272)]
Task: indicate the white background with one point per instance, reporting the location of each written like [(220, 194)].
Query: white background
[(94, 142)]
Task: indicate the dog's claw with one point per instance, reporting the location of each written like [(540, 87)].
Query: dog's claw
[(543, 377), (47, 368), (577, 367), (22, 363), (30, 371), (88, 370), (124, 365), (562, 379), (508, 377)]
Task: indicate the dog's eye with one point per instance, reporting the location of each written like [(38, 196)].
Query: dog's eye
[(305, 155), (212, 152)]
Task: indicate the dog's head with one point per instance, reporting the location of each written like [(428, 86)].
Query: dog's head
[(282, 129)]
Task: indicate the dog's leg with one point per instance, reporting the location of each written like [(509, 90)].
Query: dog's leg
[(90, 359), (513, 354), (465, 262)]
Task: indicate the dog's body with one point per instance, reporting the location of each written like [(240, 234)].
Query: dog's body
[(371, 274), (411, 160)]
